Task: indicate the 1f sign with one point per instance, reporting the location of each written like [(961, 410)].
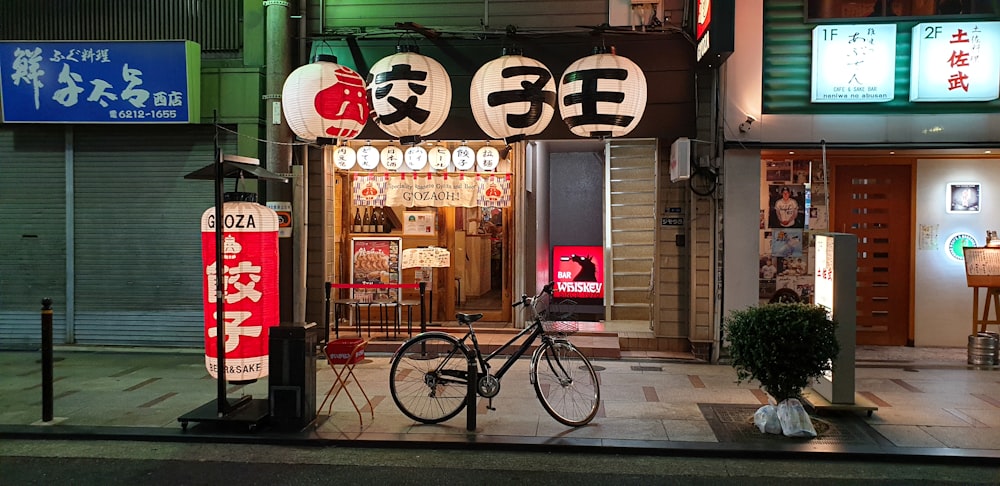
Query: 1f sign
[(853, 63)]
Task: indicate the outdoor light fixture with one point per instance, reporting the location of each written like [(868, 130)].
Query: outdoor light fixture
[(325, 100), (745, 126)]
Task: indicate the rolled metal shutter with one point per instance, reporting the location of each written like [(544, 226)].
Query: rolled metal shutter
[(32, 232), (137, 233)]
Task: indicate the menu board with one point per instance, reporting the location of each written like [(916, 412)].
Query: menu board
[(375, 261), (982, 267), (433, 257)]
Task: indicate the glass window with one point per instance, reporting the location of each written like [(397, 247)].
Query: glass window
[(886, 9)]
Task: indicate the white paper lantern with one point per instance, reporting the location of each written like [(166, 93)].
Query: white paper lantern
[(410, 94), (602, 95), (513, 97), (325, 100)]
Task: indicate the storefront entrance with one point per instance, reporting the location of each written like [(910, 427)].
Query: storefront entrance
[(481, 259), (874, 203), (460, 212)]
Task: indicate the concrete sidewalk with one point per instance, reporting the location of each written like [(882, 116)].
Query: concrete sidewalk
[(931, 406)]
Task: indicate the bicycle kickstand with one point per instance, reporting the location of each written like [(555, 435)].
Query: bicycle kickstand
[(489, 404)]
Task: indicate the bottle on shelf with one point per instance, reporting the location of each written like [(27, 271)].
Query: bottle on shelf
[(379, 220), (366, 222), (356, 228), (386, 222)]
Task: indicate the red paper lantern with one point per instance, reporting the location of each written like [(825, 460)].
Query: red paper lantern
[(602, 95), (513, 97), (410, 94), (325, 100), (250, 268)]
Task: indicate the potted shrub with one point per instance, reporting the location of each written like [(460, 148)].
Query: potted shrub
[(783, 346)]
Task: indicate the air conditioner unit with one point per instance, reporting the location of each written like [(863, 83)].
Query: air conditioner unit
[(680, 160)]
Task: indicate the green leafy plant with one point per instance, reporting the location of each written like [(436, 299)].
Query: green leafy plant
[(783, 346)]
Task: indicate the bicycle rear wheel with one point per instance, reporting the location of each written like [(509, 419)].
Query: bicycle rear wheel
[(428, 378), (566, 383)]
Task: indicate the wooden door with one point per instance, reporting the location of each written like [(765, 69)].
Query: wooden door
[(874, 203)]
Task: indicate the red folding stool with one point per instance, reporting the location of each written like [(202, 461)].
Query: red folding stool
[(343, 355)]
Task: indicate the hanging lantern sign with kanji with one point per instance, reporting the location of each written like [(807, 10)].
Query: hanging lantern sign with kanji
[(344, 157), (368, 157), (392, 157), (439, 157), (487, 158), (513, 97), (602, 95), (463, 157), (416, 157), (410, 94), (250, 281), (324, 100)]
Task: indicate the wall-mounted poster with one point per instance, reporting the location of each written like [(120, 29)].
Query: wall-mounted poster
[(375, 261), (786, 243), (419, 223), (778, 171), (787, 205), (963, 197)]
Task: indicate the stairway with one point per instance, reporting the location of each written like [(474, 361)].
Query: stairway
[(631, 179)]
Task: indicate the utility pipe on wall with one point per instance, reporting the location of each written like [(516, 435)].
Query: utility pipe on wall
[(279, 137), (277, 70)]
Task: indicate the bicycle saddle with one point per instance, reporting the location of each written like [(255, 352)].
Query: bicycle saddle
[(468, 318)]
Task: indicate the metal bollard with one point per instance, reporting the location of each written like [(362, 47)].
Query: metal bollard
[(472, 393), (423, 319), (46, 360)]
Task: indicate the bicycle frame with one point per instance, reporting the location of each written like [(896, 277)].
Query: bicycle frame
[(535, 331), (569, 397)]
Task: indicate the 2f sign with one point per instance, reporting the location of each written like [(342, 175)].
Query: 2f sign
[(932, 31)]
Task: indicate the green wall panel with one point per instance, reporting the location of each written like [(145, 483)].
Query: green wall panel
[(787, 69)]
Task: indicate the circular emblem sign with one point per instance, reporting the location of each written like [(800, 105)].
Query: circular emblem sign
[(957, 242), (344, 157), (368, 157)]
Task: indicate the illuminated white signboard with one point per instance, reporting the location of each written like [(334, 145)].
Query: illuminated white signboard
[(955, 61), (853, 63), (823, 285)]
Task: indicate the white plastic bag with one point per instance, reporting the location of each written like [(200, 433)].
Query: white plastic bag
[(766, 419), (795, 422)]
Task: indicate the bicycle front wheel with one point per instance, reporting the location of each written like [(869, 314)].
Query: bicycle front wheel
[(566, 383), (428, 378)]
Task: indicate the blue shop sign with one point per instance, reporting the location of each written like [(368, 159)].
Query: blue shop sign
[(100, 82)]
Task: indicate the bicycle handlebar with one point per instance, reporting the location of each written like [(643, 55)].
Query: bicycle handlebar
[(547, 289)]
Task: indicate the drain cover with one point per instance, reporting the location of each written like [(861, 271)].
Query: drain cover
[(647, 368)]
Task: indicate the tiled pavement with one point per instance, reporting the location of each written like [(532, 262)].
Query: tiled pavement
[(931, 405)]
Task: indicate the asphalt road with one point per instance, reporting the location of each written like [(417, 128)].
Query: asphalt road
[(156, 463)]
